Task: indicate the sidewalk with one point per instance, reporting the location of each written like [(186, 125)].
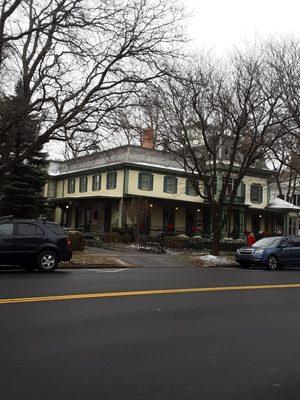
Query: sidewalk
[(141, 258)]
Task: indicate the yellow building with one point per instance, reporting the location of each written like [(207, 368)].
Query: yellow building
[(95, 193)]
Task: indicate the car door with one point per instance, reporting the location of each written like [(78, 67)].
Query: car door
[(296, 251), (7, 255), (26, 241), (290, 253), (286, 255)]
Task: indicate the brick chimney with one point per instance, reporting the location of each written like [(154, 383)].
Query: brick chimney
[(147, 138)]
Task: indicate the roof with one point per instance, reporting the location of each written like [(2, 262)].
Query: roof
[(124, 155), (280, 204), (130, 154)]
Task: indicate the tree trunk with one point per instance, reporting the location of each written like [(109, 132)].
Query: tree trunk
[(217, 235)]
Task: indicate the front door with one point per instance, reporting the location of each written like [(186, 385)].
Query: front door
[(6, 243), (206, 220), (190, 222), (236, 223), (87, 220), (256, 223), (107, 218), (169, 218)]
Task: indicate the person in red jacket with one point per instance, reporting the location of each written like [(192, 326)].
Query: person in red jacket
[(250, 239)]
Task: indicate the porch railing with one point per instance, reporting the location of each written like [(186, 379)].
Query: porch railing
[(158, 244)]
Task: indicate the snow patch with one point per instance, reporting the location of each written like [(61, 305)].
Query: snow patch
[(213, 261), (121, 262)]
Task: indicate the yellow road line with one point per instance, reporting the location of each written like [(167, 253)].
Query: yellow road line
[(144, 293)]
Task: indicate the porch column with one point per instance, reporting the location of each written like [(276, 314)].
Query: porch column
[(286, 224), (242, 223), (121, 214)]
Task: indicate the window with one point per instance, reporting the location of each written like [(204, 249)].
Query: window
[(71, 185), (6, 229), (55, 228), (256, 195), (51, 188), (96, 185), (111, 180), (230, 185), (189, 189), (145, 181), (83, 184), (25, 229), (296, 199), (170, 184)]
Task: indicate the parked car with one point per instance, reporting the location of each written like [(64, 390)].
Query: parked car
[(272, 253), (33, 243)]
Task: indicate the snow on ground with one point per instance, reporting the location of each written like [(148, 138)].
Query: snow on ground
[(214, 261), (122, 263)]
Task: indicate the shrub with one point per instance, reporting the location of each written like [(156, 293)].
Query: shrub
[(111, 237), (77, 240), (126, 238), (126, 230)]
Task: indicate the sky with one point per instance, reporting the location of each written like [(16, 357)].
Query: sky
[(219, 25)]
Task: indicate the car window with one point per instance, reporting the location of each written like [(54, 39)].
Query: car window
[(55, 228), (6, 229), (39, 231), (293, 242), (267, 242), (26, 229)]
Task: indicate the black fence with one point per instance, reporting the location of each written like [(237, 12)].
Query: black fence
[(158, 244)]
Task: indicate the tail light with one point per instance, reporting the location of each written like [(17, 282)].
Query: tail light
[(69, 244)]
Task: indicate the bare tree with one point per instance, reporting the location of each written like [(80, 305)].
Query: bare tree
[(220, 120), (80, 60), (138, 210), (284, 65)]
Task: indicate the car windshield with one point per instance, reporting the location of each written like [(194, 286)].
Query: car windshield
[(267, 242)]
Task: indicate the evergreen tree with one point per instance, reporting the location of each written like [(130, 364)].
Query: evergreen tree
[(21, 188)]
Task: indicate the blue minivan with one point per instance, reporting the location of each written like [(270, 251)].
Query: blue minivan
[(272, 253)]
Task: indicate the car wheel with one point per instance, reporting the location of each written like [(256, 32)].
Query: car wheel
[(47, 261), (245, 265), (273, 263)]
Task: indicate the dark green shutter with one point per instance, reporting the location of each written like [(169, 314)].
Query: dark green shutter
[(107, 180), (260, 194), (151, 182), (187, 186), (243, 190), (165, 184), (176, 185), (140, 180)]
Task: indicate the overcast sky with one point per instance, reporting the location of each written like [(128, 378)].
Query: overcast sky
[(220, 24)]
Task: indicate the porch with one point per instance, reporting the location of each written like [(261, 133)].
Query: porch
[(150, 216)]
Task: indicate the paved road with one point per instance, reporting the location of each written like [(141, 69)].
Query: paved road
[(218, 345)]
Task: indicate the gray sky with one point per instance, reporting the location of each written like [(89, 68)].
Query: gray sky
[(220, 24)]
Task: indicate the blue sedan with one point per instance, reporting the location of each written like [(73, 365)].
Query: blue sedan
[(272, 253)]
